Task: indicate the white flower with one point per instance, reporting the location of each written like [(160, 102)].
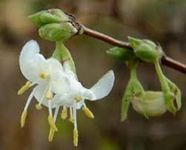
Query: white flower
[(46, 74), (75, 98)]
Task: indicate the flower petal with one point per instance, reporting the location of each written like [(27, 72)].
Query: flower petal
[(31, 61), (58, 77), (39, 93), (103, 87)]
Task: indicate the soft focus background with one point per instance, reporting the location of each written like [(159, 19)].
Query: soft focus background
[(160, 20)]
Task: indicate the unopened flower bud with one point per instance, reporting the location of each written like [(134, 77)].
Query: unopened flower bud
[(121, 53), (150, 104), (57, 32), (48, 16), (146, 50)]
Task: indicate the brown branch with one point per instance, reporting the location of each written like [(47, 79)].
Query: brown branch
[(167, 61)]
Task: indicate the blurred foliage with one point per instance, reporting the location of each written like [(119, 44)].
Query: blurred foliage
[(159, 20)]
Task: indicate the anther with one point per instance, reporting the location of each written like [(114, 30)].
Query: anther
[(51, 135), (52, 123), (87, 112), (23, 118), (78, 98), (49, 95), (24, 88), (43, 75), (75, 137), (38, 106), (64, 114)]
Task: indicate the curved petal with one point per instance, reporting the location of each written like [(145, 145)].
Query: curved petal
[(103, 87), (58, 77), (31, 61), (39, 93)]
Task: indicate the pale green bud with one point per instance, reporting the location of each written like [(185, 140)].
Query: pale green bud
[(121, 53), (150, 104), (146, 50), (134, 87), (172, 93), (57, 32), (172, 97), (48, 16)]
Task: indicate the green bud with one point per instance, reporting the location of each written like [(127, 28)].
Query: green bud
[(121, 53), (57, 32), (146, 50), (134, 87), (150, 104), (48, 16), (172, 93)]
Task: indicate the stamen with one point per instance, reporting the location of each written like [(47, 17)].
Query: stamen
[(64, 114), (23, 118), (52, 131), (49, 95), (88, 112), (75, 132), (78, 98), (24, 88), (51, 135), (38, 106), (52, 123), (43, 75), (75, 137), (24, 113), (71, 116)]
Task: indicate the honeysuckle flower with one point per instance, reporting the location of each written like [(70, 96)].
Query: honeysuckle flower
[(45, 74), (75, 98)]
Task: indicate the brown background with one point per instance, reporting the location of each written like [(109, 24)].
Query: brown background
[(160, 20)]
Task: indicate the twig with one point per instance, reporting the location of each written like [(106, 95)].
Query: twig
[(167, 61)]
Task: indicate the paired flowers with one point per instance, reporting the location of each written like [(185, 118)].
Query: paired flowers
[(56, 86)]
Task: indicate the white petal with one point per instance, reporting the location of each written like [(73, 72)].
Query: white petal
[(40, 92), (103, 87), (69, 72), (31, 61), (58, 77), (30, 48)]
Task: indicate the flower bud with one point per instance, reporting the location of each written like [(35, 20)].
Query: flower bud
[(57, 32), (134, 87), (146, 50), (172, 97), (121, 53), (150, 104), (48, 16)]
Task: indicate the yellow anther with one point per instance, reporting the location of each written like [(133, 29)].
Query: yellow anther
[(78, 98), (52, 123), (23, 118), (38, 106), (51, 135), (24, 88), (64, 112), (43, 75), (75, 137), (87, 112), (71, 120), (49, 95)]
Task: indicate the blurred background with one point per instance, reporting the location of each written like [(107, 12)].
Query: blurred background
[(159, 20)]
